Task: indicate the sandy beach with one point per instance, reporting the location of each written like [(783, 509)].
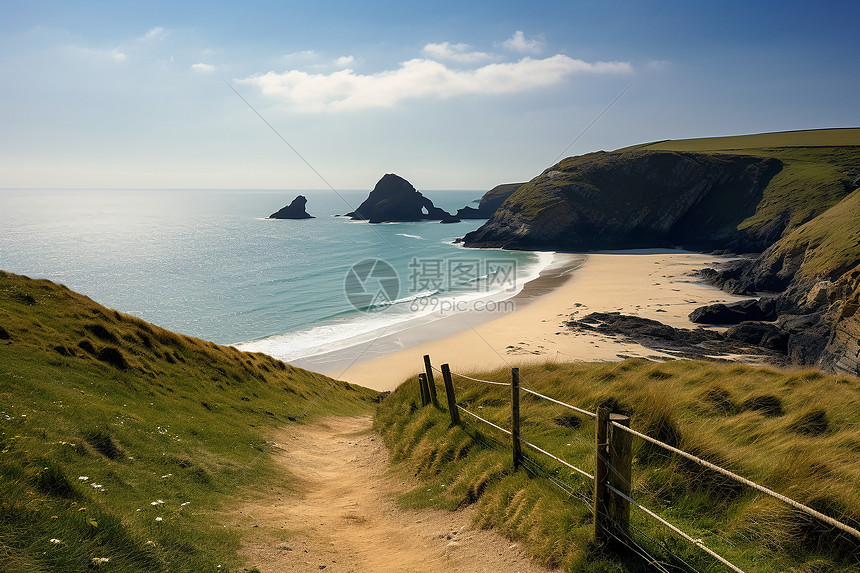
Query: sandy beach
[(647, 283)]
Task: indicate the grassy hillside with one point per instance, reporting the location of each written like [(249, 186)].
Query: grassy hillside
[(826, 246), (796, 432), (120, 440)]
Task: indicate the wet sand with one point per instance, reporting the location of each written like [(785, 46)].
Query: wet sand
[(655, 284)]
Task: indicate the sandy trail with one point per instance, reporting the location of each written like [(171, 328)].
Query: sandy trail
[(346, 518)]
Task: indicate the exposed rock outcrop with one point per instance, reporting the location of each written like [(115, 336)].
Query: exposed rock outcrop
[(815, 270), (395, 199), (295, 210), (746, 338), (764, 309)]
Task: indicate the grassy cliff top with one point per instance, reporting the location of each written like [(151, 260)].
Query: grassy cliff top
[(840, 137), (108, 423)]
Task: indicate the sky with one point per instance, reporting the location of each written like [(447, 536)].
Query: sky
[(449, 95)]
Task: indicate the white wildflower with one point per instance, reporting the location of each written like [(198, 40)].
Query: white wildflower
[(56, 541), (158, 519), (83, 478)]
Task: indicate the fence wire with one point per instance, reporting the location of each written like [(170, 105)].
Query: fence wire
[(554, 401), (697, 542), (474, 379), (462, 409), (795, 504)]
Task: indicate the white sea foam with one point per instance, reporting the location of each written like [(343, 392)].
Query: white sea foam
[(355, 329)]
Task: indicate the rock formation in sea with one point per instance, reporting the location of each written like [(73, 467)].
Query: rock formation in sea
[(491, 201), (295, 210), (394, 199)]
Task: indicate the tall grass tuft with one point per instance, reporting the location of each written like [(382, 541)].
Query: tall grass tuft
[(797, 432)]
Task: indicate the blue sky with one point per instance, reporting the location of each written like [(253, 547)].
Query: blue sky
[(450, 95)]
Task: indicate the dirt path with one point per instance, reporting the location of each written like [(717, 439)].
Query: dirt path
[(347, 520)]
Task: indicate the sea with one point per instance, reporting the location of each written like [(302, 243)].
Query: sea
[(209, 263)]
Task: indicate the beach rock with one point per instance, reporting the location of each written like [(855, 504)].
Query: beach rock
[(736, 313), (394, 199), (761, 334), (760, 338), (639, 329), (295, 210)]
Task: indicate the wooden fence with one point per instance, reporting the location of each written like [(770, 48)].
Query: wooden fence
[(613, 460)]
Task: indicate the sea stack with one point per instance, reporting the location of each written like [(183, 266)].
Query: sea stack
[(394, 199), (295, 210)]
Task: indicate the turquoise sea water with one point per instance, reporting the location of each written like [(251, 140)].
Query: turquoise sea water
[(208, 263)]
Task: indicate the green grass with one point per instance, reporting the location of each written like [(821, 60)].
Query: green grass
[(169, 426), (799, 138), (829, 244), (797, 432)]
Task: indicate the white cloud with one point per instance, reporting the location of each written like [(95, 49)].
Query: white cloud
[(344, 90), (459, 53), (153, 33), (344, 62), (203, 68), (518, 43)]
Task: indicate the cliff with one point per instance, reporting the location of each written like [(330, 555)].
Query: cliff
[(631, 199), (741, 194), (295, 210)]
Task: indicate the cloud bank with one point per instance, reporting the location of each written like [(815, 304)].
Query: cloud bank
[(346, 90)]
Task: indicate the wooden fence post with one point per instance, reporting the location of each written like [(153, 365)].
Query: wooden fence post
[(422, 385), (601, 470), (431, 384), (449, 392), (515, 416), (620, 472)]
